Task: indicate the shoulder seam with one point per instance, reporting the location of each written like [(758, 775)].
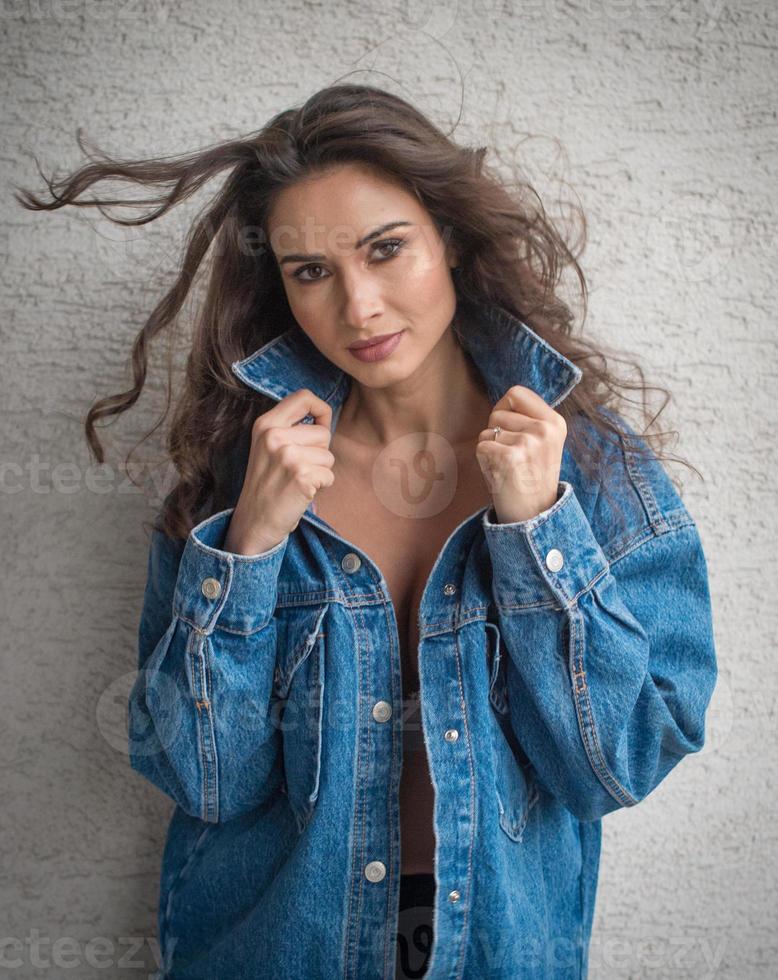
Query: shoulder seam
[(675, 520)]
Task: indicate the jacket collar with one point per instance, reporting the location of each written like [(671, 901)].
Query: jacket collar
[(504, 349)]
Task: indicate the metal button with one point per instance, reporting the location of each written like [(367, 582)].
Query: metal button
[(382, 711), (375, 871), (211, 588), (449, 588), (451, 735), (351, 562), (454, 896), (554, 560)]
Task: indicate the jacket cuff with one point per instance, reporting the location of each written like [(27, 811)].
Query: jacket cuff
[(552, 556), (214, 586)]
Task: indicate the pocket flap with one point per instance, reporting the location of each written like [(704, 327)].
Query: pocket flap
[(515, 787), (498, 684), (300, 688), (516, 790), (297, 633)]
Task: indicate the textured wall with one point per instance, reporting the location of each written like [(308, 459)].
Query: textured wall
[(667, 113)]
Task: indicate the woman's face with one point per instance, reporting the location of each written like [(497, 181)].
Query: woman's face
[(348, 277)]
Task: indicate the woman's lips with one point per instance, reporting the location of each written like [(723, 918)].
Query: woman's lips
[(377, 352)]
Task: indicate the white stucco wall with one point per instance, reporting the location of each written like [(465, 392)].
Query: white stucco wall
[(667, 113)]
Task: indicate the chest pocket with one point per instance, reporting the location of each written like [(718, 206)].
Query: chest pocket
[(299, 707), (515, 789)]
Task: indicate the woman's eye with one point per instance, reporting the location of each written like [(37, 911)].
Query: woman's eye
[(298, 273), (396, 243)]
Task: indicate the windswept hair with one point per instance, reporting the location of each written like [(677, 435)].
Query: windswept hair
[(511, 254)]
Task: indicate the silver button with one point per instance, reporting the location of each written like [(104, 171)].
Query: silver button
[(554, 560), (351, 562), (451, 735), (375, 871), (454, 896), (449, 588), (382, 711), (211, 588)]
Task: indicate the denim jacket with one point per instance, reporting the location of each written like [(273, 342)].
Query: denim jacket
[(566, 664)]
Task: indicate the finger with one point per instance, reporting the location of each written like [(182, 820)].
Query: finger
[(519, 398), (317, 456), (506, 438), (294, 407), (323, 475), (514, 421), (307, 435)]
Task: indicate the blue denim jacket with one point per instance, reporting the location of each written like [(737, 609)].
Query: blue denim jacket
[(566, 664)]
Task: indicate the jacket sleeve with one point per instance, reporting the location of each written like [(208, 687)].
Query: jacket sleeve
[(199, 720), (611, 663)]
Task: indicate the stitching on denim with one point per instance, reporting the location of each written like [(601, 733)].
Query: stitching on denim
[(530, 785), (302, 651), (389, 945), (532, 797), (228, 557), (363, 793), (341, 595), (583, 704), (636, 476), (222, 628), (644, 491), (311, 597), (644, 537), (516, 325), (193, 687), (207, 652), (239, 367), (319, 734), (625, 798), (246, 361), (348, 947), (458, 619), (494, 666), (513, 607), (205, 727), (465, 914)]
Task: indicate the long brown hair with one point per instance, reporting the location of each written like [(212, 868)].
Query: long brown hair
[(511, 254)]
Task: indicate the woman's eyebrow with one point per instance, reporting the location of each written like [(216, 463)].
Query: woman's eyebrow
[(317, 257)]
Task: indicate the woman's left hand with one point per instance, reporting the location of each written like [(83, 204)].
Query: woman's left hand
[(522, 467)]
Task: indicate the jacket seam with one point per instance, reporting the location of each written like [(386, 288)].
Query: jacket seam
[(389, 951), (208, 800), (469, 878), (639, 483), (581, 694), (675, 521), (555, 606), (649, 533), (190, 661), (214, 627), (348, 943), (583, 707)]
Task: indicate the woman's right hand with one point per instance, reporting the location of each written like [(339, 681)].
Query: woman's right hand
[(288, 462)]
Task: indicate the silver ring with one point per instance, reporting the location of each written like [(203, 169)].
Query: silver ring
[(497, 430)]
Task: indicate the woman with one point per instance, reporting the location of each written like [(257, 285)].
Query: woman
[(398, 661)]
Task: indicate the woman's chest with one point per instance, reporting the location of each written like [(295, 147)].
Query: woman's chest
[(403, 547)]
